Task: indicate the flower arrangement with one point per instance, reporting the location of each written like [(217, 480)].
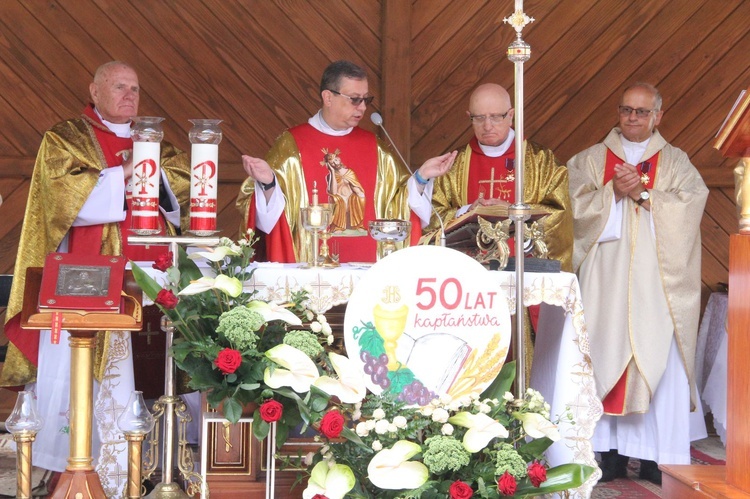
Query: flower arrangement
[(479, 446), (240, 351)]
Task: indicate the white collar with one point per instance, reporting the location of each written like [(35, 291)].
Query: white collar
[(317, 122), (634, 150), (497, 151), (122, 130)]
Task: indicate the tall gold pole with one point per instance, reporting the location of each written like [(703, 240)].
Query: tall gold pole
[(519, 52), (23, 461), (135, 441)]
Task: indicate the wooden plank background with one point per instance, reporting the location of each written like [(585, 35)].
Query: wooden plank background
[(256, 65)]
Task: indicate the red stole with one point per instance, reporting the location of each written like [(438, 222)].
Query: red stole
[(358, 152), (88, 239), (614, 401)]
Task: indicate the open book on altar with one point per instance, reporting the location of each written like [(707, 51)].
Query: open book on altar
[(435, 359), (461, 232)]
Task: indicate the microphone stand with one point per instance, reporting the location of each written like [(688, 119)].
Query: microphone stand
[(378, 120)]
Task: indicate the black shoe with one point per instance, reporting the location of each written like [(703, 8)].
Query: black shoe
[(650, 471), (613, 466)]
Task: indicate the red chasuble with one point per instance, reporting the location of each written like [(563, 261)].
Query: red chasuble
[(492, 177), (344, 169), (614, 401)]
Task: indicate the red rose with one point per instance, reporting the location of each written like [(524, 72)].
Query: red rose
[(537, 473), (332, 424), (507, 484), (163, 261), (228, 360), (271, 410), (166, 299), (460, 490)]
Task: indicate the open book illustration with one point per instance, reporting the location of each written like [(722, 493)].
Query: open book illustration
[(436, 359)]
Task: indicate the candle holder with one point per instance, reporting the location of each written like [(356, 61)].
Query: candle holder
[(388, 232), (316, 218), (135, 422), (204, 161), (24, 423), (327, 258), (147, 134)]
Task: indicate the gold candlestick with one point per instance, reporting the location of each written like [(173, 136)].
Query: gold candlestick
[(24, 423)]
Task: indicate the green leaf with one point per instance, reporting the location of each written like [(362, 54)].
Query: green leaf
[(502, 382), (149, 286), (535, 448), (351, 436), (559, 478), (232, 410), (260, 428)]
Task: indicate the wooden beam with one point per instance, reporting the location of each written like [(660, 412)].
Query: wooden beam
[(396, 73)]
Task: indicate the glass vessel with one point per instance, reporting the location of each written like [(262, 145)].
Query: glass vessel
[(388, 232)]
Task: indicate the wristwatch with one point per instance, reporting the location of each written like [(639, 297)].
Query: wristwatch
[(644, 196), (267, 186)]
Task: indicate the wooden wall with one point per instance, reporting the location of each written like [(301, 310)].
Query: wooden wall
[(256, 65)]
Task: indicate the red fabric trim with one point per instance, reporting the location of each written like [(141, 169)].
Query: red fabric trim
[(614, 401), (612, 160), (27, 341), (279, 246)]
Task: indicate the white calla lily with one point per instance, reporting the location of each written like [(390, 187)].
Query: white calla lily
[(391, 469), (228, 285), (350, 387), (537, 426), (272, 312), (298, 371), (334, 482), (481, 429), (214, 255)]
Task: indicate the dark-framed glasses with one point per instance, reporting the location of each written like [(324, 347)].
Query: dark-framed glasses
[(640, 112), (356, 101), (495, 119)]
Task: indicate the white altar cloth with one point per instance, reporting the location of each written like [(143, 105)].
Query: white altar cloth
[(561, 370)]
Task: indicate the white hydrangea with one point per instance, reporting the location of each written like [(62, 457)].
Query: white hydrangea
[(378, 413), (381, 427), (322, 319), (370, 424), (427, 410), (400, 422), (316, 327), (440, 415), (392, 428), (377, 446), (362, 429), (447, 429), (508, 397), (484, 408)]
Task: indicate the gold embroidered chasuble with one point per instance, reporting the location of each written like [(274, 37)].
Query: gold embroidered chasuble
[(545, 186), (65, 173), (644, 287), (390, 196)]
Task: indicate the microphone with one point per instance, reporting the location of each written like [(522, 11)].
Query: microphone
[(377, 119)]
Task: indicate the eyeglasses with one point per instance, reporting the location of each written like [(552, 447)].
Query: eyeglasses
[(495, 119), (640, 112), (356, 101)]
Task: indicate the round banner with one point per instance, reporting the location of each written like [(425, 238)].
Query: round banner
[(428, 321)]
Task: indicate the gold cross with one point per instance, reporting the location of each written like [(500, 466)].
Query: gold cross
[(492, 181)]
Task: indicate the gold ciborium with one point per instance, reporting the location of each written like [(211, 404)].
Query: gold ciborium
[(388, 232), (316, 218), (390, 324)]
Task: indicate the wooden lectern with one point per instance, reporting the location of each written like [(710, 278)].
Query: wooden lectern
[(80, 480), (732, 480)]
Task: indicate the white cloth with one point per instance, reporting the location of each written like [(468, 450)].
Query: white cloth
[(663, 434)]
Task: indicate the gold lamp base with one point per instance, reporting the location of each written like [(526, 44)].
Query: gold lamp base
[(168, 490)]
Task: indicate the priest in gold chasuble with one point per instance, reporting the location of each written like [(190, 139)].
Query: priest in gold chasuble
[(638, 203)]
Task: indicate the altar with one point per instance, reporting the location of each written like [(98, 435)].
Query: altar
[(561, 369)]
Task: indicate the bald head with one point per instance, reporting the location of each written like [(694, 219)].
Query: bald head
[(115, 91), (491, 114)]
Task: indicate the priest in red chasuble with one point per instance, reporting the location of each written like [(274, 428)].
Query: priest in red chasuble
[(351, 169), (638, 203), (78, 203), (484, 173)]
